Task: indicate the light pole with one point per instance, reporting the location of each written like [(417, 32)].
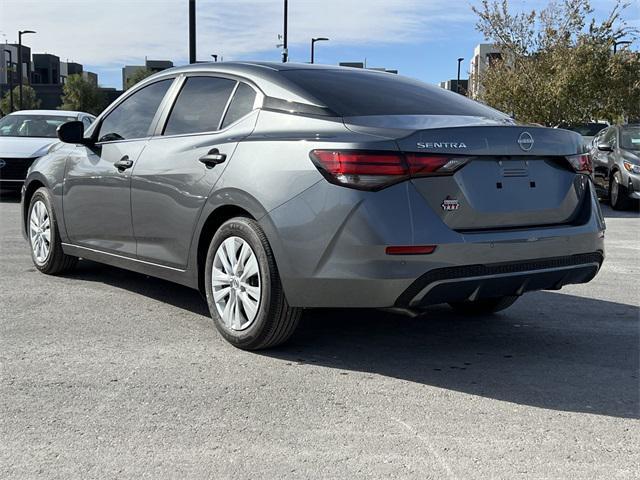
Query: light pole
[(285, 52), (621, 42), (192, 31), (458, 80), (20, 33), (313, 46), (10, 78)]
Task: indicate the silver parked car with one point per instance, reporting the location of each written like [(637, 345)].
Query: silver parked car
[(277, 187), (26, 135), (616, 160)]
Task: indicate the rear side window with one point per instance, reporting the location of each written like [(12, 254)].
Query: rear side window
[(241, 104), (133, 117), (361, 93), (200, 105)]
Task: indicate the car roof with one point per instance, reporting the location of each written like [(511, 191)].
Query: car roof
[(53, 113), (265, 75)]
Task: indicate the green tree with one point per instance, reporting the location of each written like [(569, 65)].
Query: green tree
[(137, 76), (82, 95), (558, 68), (30, 101)]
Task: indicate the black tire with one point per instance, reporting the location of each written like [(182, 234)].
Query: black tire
[(485, 305), (618, 193), (57, 262), (275, 320)]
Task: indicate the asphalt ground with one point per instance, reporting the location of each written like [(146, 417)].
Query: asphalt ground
[(111, 374)]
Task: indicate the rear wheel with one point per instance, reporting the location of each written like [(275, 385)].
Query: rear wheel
[(618, 193), (485, 305), (44, 238), (243, 288)]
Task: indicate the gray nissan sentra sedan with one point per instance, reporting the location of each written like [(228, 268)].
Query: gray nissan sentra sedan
[(277, 187)]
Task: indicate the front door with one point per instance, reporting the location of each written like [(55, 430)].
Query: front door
[(97, 188)]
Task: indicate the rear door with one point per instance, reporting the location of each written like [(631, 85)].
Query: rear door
[(194, 141), (97, 200)]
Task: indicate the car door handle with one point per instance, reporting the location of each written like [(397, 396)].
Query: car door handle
[(213, 158), (123, 163)]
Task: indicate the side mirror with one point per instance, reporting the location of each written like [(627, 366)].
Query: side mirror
[(72, 132), (605, 147)]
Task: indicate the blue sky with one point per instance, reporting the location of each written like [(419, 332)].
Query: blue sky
[(420, 38)]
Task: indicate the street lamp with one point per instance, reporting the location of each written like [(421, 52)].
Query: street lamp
[(313, 45), (285, 51), (458, 80), (192, 31), (621, 42), (10, 78), (20, 33)]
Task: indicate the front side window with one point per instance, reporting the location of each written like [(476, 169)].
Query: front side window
[(200, 105), (43, 126), (241, 104), (133, 117)]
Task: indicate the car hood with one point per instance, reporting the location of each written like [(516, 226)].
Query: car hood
[(24, 147)]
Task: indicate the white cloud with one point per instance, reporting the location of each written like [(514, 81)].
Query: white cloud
[(116, 32)]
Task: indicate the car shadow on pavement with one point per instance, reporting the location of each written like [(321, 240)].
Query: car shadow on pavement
[(9, 196), (609, 212), (168, 292), (549, 350)]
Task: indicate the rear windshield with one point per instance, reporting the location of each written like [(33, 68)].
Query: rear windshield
[(630, 138), (361, 93)]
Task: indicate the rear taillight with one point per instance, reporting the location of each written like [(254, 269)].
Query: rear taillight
[(581, 163), (373, 170)]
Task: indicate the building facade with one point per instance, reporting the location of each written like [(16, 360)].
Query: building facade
[(128, 71), (452, 85), (483, 56), (46, 74)]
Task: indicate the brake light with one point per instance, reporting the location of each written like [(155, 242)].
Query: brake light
[(373, 170), (581, 163)]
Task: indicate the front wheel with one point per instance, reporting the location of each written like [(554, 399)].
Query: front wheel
[(485, 305), (44, 237), (243, 288), (618, 193)]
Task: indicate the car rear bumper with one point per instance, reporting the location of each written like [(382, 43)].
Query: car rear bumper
[(472, 282), (330, 251)]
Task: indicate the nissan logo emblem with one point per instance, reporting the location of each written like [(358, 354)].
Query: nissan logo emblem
[(525, 140)]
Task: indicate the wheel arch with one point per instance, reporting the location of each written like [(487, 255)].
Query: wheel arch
[(212, 223), (30, 188)]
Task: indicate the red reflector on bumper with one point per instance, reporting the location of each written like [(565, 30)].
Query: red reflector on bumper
[(410, 250)]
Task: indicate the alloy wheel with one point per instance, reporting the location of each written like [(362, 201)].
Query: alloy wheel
[(40, 231), (236, 283)]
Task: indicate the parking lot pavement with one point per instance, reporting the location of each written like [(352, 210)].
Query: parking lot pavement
[(110, 374)]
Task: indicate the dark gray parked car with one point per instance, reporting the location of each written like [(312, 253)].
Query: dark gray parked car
[(278, 187), (616, 161)]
